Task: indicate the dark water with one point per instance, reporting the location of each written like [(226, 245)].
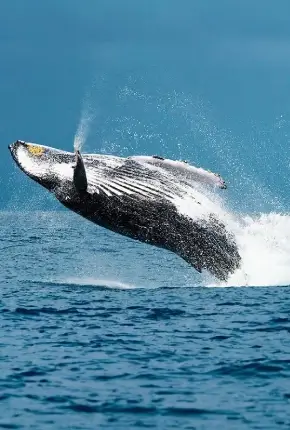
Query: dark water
[(100, 332)]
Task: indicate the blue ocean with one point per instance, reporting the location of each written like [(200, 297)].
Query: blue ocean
[(102, 332)]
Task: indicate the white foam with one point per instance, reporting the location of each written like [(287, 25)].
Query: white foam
[(263, 242), (264, 245)]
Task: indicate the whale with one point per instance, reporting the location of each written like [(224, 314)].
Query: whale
[(136, 197)]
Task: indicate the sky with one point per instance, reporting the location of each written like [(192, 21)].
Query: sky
[(203, 80)]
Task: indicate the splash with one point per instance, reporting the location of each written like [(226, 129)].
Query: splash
[(263, 241), (264, 245)]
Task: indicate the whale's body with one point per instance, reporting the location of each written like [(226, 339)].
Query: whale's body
[(135, 197)]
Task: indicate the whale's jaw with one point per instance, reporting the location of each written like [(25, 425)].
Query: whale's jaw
[(47, 166)]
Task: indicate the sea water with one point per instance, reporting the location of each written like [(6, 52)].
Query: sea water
[(99, 331)]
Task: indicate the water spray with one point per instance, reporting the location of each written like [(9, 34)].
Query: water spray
[(85, 123)]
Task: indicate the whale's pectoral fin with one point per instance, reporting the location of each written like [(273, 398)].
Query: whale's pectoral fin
[(79, 176)]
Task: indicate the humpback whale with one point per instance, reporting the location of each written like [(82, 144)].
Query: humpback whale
[(135, 197)]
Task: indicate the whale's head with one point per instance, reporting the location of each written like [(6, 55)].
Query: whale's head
[(48, 166), (52, 168)]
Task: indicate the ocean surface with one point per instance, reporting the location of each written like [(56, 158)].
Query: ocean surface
[(98, 331)]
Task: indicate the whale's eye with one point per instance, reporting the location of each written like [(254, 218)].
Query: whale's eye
[(35, 150)]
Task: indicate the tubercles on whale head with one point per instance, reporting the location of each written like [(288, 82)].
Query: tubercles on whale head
[(48, 166)]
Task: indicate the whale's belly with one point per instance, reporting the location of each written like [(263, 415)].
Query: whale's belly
[(204, 245)]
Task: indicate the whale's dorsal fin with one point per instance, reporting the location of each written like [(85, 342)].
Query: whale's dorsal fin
[(79, 176)]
